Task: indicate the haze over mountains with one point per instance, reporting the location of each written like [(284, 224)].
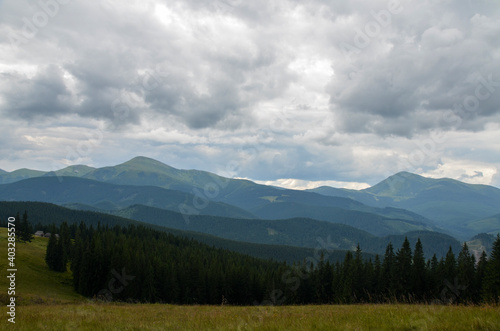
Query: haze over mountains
[(150, 191)]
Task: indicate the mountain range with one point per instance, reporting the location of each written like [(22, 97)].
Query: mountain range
[(460, 208), (150, 191)]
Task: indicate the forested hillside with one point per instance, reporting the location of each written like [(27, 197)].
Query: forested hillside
[(153, 266), (44, 215)]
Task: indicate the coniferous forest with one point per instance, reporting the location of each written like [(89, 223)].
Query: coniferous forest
[(138, 264)]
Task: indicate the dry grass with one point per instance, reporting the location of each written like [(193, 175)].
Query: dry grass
[(93, 316)]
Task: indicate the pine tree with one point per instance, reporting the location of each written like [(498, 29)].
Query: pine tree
[(377, 276), (491, 286), (51, 253), (359, 276), (450, 266), (388, 272), (346, 284), (434, 278), (479, 277), (26, 234), (65, 238), (466, 273), (61, 260), (419, 271), (403, 268)]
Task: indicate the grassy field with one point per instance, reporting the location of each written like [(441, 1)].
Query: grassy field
[(46, 301), (35, 282), (168, 317)]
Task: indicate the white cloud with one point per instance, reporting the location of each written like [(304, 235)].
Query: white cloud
[(467, 171), (297, 184), (264, 85)]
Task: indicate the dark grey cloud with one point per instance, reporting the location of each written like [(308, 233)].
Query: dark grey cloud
[(194, 83), (44, 94), (397, 68), (208, 72)]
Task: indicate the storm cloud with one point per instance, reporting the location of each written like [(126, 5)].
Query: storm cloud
[(314, 91)]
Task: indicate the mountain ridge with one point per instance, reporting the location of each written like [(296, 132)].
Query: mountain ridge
[(410, 199), (451, 203)]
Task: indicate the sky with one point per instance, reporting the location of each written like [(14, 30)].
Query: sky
[(291, 93)]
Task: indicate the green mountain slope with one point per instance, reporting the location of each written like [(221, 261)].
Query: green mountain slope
[(489, 225), (145, 171), (17, 175), (297, 232), (206, 193), (74, 171), (294, 232), (62, 190), (373, 223), (44, 214), (451, 203), (36, 283), (257, 199)]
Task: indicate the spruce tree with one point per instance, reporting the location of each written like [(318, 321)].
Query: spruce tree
[(419, 271), (434, 278), (404, 270), (387, 279), (346, 286), (359, 276), (466, 273), (65, 238), (61, 258), (479, 277), (51, 253), (450, 266), (26, 234), (491, 286), (377, 276)]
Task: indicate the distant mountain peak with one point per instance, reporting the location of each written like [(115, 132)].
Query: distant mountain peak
[(406, 174), (142, 161)]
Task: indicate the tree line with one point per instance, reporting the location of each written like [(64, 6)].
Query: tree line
[(140, 264)]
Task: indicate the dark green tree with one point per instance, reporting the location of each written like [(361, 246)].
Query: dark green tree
[(388, 277), (479, 277), (51, 253), (377, 277), (26, 233), (65, 238), (359, 276), (491, 285), (419, 272), (403, 268), (450, 266), (466, 274), (61, 259), (346, 286)]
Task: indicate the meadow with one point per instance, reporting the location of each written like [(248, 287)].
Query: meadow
[(94, 316), (46, 301)]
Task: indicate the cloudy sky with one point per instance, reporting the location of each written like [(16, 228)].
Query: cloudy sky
[(295, 93)]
